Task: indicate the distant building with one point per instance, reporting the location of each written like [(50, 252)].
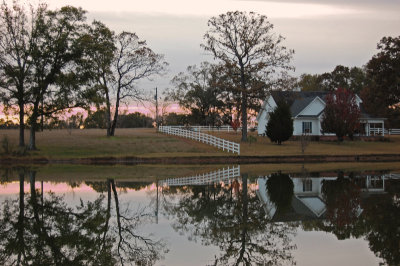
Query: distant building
[(307, 108)]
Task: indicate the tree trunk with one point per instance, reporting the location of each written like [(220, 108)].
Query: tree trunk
[(108, 215), (32, 135), (244, 220), (108, 113), (21, 124), (114, 122), (34, 124), (244, 101), (244, 116), (32, 139), (21, 216)]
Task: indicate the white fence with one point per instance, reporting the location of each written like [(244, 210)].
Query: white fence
[(203, 179), (378, 131), (223, 144), (211, 128), (207, 128)]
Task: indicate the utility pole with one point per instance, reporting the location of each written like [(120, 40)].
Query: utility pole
[(156, 98)]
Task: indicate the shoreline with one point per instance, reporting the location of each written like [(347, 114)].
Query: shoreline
[(132, 160)]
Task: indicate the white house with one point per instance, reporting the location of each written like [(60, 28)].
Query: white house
[(307, 108)]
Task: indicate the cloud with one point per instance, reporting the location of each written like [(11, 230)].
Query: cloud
[(208, 7), (346, 3)]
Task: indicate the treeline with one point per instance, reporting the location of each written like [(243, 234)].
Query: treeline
[(377, 82), (55, 60), (206, 92)]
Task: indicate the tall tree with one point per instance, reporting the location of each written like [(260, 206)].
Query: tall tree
[(19, 32), (197, 92), (341, 114), (280, 124), (309, 82), (54, 82), (248, 48), (384, 72), (353, 79), (126, 60)]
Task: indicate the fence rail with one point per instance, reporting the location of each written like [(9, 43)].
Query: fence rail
[(378, 131), (223, 144), (224, 174), (225, 128)]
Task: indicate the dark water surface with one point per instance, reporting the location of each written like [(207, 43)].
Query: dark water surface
[(223, 217)]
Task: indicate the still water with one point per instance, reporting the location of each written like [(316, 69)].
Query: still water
[(222, 217)]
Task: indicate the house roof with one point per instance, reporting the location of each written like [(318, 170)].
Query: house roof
[(297, 100)]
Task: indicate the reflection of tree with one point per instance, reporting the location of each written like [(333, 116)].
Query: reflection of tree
[(131, 247), (50, 233), (378, 223), (235, 221), (381, 220), (343, 199), (280, 190), (41, 230)]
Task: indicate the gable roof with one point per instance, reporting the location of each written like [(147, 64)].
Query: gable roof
[(297, 100)]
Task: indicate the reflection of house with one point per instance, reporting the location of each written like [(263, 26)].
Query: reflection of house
[(307, 202), (307, 109)]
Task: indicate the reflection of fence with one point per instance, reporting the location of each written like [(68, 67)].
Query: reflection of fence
[(223, 144), (224, 174), (393, 176)]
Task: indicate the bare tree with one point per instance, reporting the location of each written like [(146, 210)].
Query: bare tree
[(127, 60), (251, 53)]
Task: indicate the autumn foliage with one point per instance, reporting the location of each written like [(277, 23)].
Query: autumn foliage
[(235, 124), (341, 115)]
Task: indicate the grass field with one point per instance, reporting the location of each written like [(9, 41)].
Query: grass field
[(64, 144), (264, 147)]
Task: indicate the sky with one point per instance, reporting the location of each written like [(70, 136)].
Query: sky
[(323, 33)]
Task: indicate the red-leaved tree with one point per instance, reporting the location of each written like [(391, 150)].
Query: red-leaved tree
[(341, 115), (235, 124)]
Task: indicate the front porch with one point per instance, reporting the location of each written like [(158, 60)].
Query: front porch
[(372, 127)]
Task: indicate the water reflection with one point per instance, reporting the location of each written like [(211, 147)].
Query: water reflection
[(247, 220), (41, 229), (230, 217), (351, 206)]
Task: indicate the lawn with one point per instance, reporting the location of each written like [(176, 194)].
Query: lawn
[(57, 144), (264, 147), (65, 144)]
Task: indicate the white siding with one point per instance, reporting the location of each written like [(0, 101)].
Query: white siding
[(314, 108), (298, 126), (269, 106)]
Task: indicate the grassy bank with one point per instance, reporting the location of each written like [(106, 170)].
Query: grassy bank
[(67, 144), (79, 173)]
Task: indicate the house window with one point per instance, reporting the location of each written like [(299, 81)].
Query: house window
[(307, 127), (307, 185)]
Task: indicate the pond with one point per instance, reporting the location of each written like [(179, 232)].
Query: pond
[(226, 216)]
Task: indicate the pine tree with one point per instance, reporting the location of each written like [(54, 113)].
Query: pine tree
[(280, 124)]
